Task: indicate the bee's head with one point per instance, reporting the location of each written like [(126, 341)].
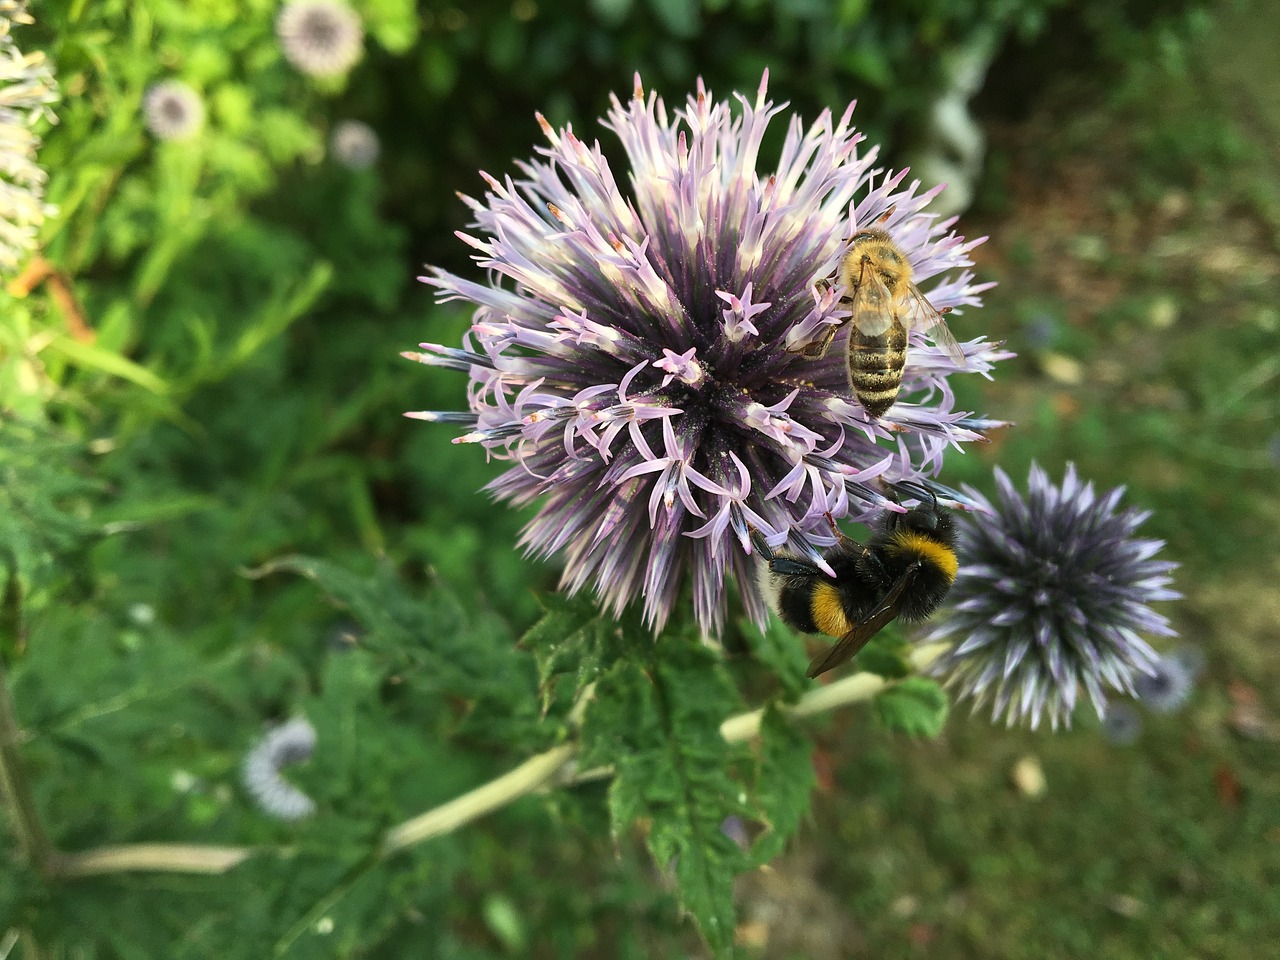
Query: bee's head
[(932, 520), (928, 517)]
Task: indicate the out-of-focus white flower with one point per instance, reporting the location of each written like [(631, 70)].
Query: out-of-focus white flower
[(172, 110), (288, 743), (320, 38), (354, 144)]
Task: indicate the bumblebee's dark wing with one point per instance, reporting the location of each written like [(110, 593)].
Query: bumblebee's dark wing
[(865, 629)]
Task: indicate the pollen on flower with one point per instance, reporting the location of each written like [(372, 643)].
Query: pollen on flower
[(628, 356)]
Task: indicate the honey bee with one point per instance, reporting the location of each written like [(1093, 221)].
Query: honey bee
[(884, 305)]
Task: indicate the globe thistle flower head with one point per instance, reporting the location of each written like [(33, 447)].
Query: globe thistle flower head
[(1169, 685), (291, 742), (171, 110), (321, 38), (354, 144), (27, 89), (1051, 600), (629, 352)]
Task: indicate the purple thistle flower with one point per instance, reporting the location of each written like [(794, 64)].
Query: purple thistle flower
[(1052, 593), (629, 356), (1170, 684), (291, 742)]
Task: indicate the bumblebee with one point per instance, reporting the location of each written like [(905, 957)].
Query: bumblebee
[(884, 305), (904, 570)]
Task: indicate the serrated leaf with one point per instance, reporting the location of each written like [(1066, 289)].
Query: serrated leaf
[(429, 634), (45, 499), (558, 634), (786, 779), (917, 706), (661, 732)]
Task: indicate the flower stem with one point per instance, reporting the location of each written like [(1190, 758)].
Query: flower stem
[(527, 777), (852, 689), (152, 857), (550, 768), (17, 789)]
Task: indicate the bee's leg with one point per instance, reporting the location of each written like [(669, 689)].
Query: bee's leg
[(817, 349), (873, 568), (783, 566), (846, 542)]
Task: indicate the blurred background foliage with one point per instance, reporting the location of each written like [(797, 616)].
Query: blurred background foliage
[(214, 516)]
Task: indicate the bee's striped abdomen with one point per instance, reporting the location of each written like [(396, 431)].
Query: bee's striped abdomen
[(875, 366)]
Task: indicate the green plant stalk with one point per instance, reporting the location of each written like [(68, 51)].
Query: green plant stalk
[(32, 838), (152, 857), (554, 767)]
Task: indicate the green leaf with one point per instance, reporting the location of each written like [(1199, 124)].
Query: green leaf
[(568, 639), (46, 502), (917, 706), (393, 22), (91, 357), (680, 17), (612, 12), (782, 651), (427, 637), (885, 657), (786, 778), (503, 919), (661, 732)]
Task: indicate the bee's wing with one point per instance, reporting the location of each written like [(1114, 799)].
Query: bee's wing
[(870, 303), (930, 319), (865, 629)]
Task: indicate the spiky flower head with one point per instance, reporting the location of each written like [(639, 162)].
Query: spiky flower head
[(321, 38), (629, 348), (354, 144), (1052, 599), (26, 90), (291, 742), (172, 110)]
